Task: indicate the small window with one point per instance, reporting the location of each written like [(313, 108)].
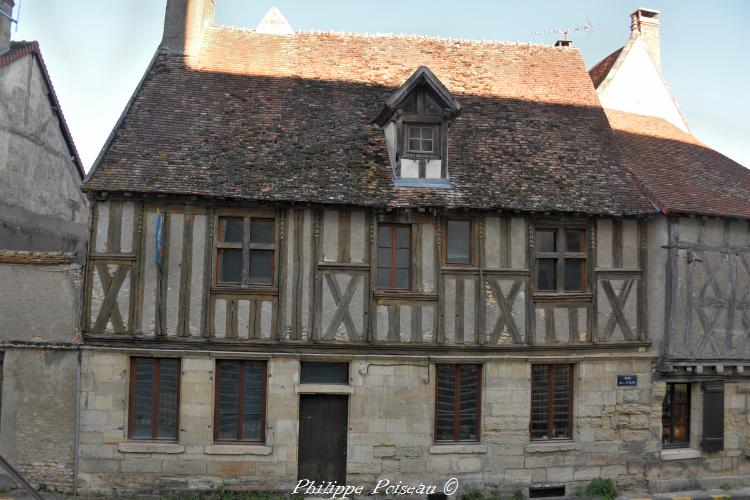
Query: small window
[(421, 139), (458, 402), (394, 256), (240, 401), (551, 401), (245, 261), (458, 241), (675, 416), (324, 372), (561, 260), (154, 398)]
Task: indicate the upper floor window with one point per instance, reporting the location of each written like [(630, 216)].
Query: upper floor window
[(394, 256), (458, 241), (245, 251), (421, 139), (560, 260)]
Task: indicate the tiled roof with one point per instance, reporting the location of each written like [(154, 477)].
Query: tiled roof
[(289, 118), (681, 174), (17, 51), (601, 69)]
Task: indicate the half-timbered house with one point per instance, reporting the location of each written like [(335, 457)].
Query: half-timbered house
[(336, 256)]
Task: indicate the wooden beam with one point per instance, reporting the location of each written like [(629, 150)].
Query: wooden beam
[(344, 237), (114, 229), (183, 307)]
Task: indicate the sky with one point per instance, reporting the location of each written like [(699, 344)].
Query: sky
[(97, 50)]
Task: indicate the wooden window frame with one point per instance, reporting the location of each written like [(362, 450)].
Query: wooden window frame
[(457, 403), (470, 262), (551, 401), (435, 152), (155, 401), (561, 255), (392, 288), (240, 401), (671, 390), (246, 246)]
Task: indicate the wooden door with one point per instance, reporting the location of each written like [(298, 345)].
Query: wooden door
[(322, 437)]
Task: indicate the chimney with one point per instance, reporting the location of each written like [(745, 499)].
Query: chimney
[(645, 23), (184, 24), (564, 43), (6, 19)]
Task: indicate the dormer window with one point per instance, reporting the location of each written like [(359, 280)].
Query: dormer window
[(416, 120)]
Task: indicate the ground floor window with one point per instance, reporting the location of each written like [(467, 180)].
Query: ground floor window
[(675, 416), (240, 400), (457, 405), (154, 398), (551, 401)]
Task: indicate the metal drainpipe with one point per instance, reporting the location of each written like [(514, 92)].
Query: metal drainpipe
[(76, 433)]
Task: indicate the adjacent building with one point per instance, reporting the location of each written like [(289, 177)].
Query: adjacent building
[(346, 257), (43, 235)]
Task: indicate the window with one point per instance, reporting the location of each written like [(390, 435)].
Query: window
[(675, 416), (551, 401), (421, 139), (561, 260), (457, 402), (458, 241), (245, 251), (240, 412), (154, 398), (324, 372), (394, 256)]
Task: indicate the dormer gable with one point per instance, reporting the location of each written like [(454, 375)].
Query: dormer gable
[(416, 120)]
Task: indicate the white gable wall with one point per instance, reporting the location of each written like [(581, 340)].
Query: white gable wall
[(636, 86)]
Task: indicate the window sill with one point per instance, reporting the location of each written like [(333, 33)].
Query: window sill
[(680, 454), (405, 294), (250, 290), (551, 446), (562, 297), (150, 447), (324, 389), (237, 449), (458, 449)]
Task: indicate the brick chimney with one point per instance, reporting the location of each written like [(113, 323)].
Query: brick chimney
[(184, 24), (645, 23), (6, 17)]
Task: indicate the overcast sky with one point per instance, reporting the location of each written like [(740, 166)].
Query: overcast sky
[(97, 50)]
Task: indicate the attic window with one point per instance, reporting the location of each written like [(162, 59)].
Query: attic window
[(416, 121)]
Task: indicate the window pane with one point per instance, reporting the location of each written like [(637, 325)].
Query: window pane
[(402, 258), (574, 240), (459, 237), (231, 229), (230, 265), (402, 278), (414, 133), (229, 372), (143, 397), (169, 373), (445, 405), (468, 410), (561, 424), (681, 413), (666, 417), (324, 372), (545, 241), (402, 237), (539, 401), (252, 406), (384, 257), (384, 236), (384, 277), (547, 274), (427, 145), (427, 133), (261, 267), (261, 231), (414, 145), (574, 272)]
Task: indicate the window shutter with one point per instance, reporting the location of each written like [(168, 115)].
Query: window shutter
[(713, 416)]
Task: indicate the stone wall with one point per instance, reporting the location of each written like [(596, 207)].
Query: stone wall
[(616, 430)]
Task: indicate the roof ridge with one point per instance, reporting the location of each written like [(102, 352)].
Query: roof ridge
[(408, 36)]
